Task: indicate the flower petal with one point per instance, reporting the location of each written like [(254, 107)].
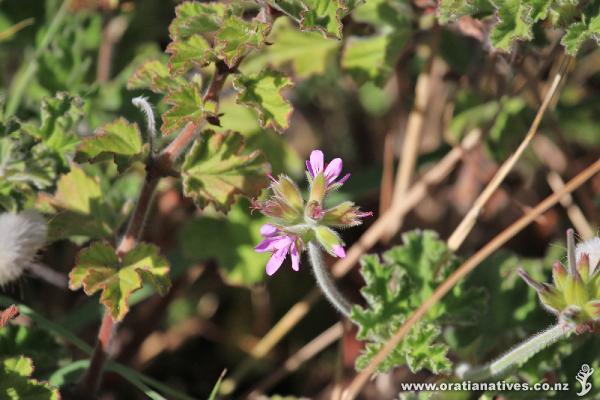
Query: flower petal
[(276, 260), (309, 169), (295, 257), (266, 245), (333, 170), (268, 230), (339, 251), (316, 162)]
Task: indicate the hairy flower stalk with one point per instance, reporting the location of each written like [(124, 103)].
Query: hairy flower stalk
[(296, 225), (574, 299)]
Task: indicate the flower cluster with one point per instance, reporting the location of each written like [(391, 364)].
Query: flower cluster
[(575, 295), (295, 222)]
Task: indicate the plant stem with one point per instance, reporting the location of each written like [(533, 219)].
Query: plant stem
[(155, 169), (91, 380), (519, 355), (16, 93), (469, 265), (325, 282)]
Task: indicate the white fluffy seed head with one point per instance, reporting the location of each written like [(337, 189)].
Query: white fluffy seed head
[(22, 235), (592, 249)]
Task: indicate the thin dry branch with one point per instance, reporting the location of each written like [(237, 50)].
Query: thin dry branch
[(468, 222), (308, 351), (412, 137), (469, 265), (573, 211)]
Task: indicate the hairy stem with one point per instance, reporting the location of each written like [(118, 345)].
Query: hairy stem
[(519, 355), (325, 282)]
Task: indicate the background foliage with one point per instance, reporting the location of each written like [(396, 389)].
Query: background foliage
[(339, 75)]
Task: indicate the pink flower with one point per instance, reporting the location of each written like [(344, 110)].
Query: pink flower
[(315, 165), (279, 243)]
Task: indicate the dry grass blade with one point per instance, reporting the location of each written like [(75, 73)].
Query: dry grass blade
[(573, 211), (307, 352), (463, 229), (359, 381)]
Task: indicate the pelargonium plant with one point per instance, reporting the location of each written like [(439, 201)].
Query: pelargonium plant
[(296, 225), (575, 296), (574, 299)]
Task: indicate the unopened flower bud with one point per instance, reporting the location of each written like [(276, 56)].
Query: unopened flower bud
[(330, 241)]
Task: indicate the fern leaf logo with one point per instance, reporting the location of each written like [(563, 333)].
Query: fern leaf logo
[(582, 376)]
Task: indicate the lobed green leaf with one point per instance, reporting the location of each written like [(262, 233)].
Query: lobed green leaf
[(16, 384), (99, 269), (263, 93), (215, 170)]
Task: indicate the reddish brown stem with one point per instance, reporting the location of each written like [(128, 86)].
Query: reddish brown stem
[(91, 380), (93, 376), (155, 169), (138, 219)]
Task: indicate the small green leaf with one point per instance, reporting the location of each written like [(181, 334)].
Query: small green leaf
[(59, 118), (452, 10), (215, 171), (372, 58), (99, 268), (579, 32), (263, 93), (16, 384), (80, 208), (118, 138), (33, 342), (186, 105), (514, 23), (308, 52), (324, 16), (192, 17), (189, 52), (153, 75), (237, 36)]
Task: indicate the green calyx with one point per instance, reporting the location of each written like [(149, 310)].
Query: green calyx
[(575, 295)]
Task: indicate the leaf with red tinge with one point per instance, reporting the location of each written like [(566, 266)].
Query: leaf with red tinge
[(324, 16), (237, 36), (215, 170), (192, 17), (187, 106), (153, 75), (263, 93), (189, 52), (99, 268)]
